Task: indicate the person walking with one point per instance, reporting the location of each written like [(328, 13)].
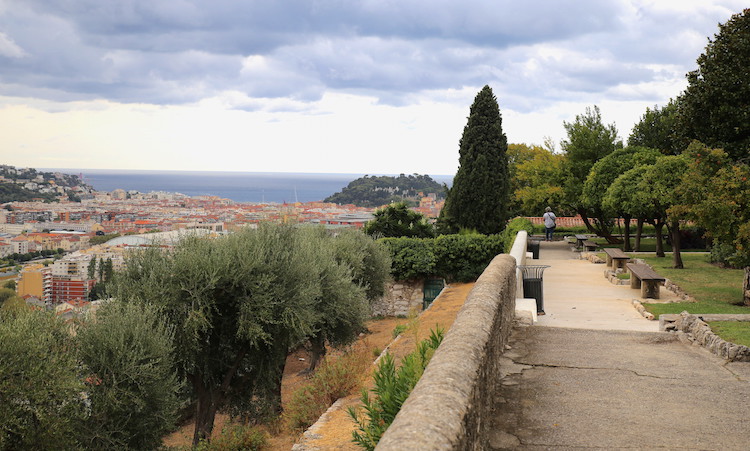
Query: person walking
[(549, 223)]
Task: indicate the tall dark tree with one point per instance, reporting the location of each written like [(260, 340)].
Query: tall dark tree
[(479, 198), (715, 107)]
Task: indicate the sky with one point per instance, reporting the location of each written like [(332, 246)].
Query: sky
[(330, 86)]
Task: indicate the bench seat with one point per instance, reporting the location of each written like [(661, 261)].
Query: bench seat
[(645, 278), (616, 258), (590, 245)]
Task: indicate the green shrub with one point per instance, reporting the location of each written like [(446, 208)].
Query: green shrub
[(392, 387), (457, 258), (512, 229), (236, 437), (463, 258), (411, 258), (335, 378), (398, 330)]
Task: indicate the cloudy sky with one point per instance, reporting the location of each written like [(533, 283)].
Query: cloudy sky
[(371, 86)]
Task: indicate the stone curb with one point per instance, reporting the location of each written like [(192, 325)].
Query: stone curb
[(642, 310), (692, 328)]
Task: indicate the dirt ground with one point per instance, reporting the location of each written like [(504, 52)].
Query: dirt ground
[(336, 434)]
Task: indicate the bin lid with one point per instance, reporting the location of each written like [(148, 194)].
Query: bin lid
[(532, 271)]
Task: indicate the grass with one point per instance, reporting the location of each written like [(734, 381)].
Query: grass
[(733, 331), (716, 290)]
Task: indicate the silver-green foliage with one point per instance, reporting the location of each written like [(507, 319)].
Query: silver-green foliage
[(41, 395), (238, 304), (127, 357)]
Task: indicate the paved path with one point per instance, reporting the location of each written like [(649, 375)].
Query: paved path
[(593, 374)]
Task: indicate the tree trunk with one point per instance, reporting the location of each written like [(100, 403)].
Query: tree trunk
[(600, 229), (638, 233), (746, 286), (205, 412), (659, 225), (626, 246), (317, 351), (676, 245)]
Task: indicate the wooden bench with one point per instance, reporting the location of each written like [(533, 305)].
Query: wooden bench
[(590, 245), (580, 239), (616, 258), (643, 277)]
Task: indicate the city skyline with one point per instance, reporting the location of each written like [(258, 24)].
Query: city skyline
[(326, 87)]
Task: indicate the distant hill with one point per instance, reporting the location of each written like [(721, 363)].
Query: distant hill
[(26, 184), (374, 191), (10, 192)]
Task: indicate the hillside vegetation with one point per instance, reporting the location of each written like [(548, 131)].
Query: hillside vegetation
[(374, 191)]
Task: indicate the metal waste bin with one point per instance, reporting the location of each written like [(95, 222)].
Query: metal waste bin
[(533, 247), (532, 284)]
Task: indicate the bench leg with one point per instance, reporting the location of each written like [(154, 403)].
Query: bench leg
[(634, 281), (650, 289), (609, 261), (617, 264)]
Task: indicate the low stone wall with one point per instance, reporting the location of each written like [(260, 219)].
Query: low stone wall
[(450, 407), (698, 331), (400, 297)]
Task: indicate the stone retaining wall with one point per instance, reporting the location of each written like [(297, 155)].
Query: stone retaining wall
[(696, 330), (400, 297), (450, 407)]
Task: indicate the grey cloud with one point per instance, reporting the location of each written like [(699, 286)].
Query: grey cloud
[(178, 51)]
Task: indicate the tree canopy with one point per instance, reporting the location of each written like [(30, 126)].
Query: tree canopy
[(398, 220), (715, 107), (658, 130), (479, 197), (237, 305)]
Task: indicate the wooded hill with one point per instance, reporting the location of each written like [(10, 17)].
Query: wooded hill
[(374, 191)]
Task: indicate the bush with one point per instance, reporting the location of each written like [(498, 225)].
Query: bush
[(392, 387), (411, 258), (334, 379), (726, 255), (463, 258), (457, 258), (512, 229), (236, 437)]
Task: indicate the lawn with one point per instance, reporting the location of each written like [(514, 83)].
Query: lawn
[(733, 331), (716, 289)]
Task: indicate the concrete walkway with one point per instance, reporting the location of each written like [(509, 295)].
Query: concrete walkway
[(594, 374)]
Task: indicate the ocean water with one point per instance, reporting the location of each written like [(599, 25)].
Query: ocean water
[(238, 186)]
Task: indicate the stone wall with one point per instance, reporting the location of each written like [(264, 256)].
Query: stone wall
[(694, 329), (449, 408), (400, 297)]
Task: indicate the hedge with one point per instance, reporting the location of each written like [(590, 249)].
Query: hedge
[(456, 258)]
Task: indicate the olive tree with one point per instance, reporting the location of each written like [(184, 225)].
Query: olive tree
[(41, 395), (237, 304), (131, 385)]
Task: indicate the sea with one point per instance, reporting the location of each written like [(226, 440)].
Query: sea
[(251, 187)]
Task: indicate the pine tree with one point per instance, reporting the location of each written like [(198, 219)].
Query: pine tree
[(479, 198)]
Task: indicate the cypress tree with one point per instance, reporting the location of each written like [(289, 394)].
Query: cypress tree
[(479, 198)]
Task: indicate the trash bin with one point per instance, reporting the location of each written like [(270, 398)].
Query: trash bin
[(532, 284), (533, 247)]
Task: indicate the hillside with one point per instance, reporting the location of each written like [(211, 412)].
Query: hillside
[(374, 191), (26, 184)]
